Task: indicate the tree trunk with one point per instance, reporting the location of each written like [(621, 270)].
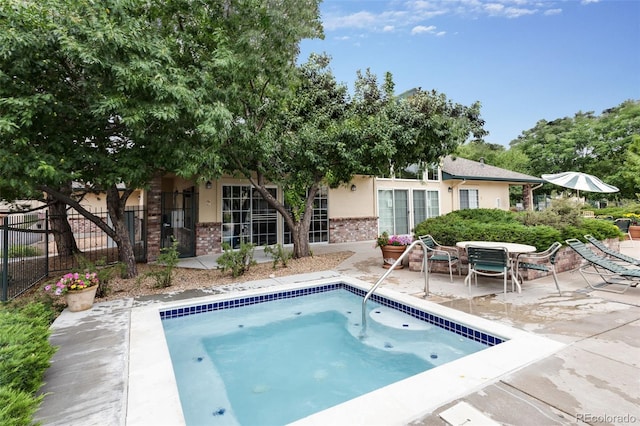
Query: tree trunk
[(301, 246), (116, 207), (62, 232)]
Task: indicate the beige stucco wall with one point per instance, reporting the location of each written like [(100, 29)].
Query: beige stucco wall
[(361, 202), (345, 203), (492, 195), (99, 202)]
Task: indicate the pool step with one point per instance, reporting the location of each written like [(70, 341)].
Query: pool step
[(395, 319)]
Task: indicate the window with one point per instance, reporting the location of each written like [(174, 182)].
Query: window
[(426, 204), (419, 172), (393, 211), (414, 171), (319, 227), (432, 172), (469, 199)]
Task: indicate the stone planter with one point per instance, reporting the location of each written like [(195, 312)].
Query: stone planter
[(80, 300), (390, 254)]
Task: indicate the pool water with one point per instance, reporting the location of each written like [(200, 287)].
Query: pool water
[(277, 362)]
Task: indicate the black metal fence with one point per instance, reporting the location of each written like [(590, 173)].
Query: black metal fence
[(30, 247)]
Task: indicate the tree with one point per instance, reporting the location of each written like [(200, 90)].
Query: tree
[(89, 92), (318, 135), (600, 145)]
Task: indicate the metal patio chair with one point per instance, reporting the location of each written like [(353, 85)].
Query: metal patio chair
[(540, 261), (440, 253), (491, 262), (623, 225)]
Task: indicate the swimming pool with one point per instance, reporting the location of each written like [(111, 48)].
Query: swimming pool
[(153, 395), (280, 359)]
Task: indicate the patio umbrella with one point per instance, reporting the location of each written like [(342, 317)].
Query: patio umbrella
[(579, 182)]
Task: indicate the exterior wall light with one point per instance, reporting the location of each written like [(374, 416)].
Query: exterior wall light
[(208, 185), (353, 187), (450, 189)]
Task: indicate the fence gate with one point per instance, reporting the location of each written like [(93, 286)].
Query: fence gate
[(23, 254), (179, 221)]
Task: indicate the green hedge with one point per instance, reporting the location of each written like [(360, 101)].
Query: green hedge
[(25, 354), (500, 225)]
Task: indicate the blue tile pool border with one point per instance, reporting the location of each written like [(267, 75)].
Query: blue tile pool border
[(447, 324)]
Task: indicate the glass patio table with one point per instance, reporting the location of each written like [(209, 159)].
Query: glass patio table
[(513, 248)]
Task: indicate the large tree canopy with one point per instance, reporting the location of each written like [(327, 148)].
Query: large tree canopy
[(606, 146), (317, 134), (91, 92)]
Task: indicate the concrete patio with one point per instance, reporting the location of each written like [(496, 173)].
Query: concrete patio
[(595, 379)]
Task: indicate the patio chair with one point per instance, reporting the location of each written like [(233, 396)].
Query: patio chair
[(491, 262), (541, 261), (615, 255), (623, 225), (440, 253), (609, 271)]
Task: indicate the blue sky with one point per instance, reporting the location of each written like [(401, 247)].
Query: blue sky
[(524, 60)]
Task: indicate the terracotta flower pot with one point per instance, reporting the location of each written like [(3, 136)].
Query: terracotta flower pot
[(80, 300), (390, 254), (634, 231)]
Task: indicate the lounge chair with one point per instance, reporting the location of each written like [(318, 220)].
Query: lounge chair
[(616, 255), (440, 253), (609, 271), (491, 262), (541, 261)]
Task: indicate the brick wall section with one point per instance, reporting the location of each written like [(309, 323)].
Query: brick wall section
[(566, 260), (154, 218), (350, 229), (208, 238)]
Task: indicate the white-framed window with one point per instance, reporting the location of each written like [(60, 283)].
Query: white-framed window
[(469, 199), (433, 172), (417, 171), (393, 211), (426, 204)]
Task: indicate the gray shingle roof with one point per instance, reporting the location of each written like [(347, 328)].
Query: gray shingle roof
[(463, 169)]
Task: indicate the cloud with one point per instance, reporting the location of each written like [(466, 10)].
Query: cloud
[(422, 29), (416, 15)]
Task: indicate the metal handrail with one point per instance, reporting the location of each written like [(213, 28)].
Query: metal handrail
[(386, 274)]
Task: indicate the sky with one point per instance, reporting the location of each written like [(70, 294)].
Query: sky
[(523, 60)]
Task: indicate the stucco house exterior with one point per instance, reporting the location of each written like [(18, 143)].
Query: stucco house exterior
[(204, 216)]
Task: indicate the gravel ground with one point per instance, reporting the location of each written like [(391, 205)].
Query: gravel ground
[(186, 278)]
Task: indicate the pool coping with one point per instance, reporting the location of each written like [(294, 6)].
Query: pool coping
[(152, 397)]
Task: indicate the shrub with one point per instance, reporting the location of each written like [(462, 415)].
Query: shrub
[(539, 229), (279, 254), (168, 260), (24, 251), (238, 261), (17, 407), (25, 351)]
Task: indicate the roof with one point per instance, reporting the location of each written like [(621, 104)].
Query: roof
[(457, 168)]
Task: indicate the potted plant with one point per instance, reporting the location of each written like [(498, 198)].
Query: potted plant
[(634, 226), (392, 247), (79, 289)]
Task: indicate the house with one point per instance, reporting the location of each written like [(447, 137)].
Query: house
[(204, 216)]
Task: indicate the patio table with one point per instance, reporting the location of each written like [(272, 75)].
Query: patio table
[(513, 248)]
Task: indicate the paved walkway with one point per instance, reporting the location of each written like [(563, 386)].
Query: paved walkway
[(594, 380)]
